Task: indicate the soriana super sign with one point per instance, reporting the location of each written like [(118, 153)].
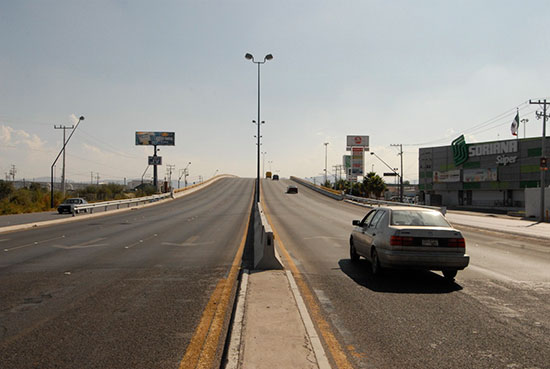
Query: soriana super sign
[(357, 141)]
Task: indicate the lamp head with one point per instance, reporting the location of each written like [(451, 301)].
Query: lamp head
[(81, 117), (268, 57), (248, 56)]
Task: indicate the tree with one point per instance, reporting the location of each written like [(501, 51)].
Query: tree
[(6, 189), (373, 183)]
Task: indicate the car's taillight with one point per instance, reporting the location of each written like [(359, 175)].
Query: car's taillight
[(401, 241), (457, 242)]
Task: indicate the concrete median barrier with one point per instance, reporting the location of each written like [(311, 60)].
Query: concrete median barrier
[(265, 256)]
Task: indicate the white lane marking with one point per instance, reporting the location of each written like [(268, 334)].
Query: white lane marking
[(318, 349), (33, 243), (4, 240), (140, 241), (84, 245)]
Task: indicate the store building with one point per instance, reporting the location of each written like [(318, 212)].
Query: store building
[(481, 175)]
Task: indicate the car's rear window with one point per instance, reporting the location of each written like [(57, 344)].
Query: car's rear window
[(72, 201), (423, 218)]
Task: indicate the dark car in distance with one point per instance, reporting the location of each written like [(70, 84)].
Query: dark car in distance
[(275, 177), (292, 189), (68, 205)]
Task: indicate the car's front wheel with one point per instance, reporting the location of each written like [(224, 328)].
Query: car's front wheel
[(375, 263), (450, 274), (353, 255)]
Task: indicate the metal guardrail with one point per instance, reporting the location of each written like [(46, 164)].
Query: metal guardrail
[(363, 200), (324, 190), (374, 202), (118, 203), (145, 199)]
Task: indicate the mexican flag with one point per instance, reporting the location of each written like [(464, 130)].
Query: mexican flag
[(515, 125)]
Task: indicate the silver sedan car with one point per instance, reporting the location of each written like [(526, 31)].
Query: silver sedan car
[(408, 237)]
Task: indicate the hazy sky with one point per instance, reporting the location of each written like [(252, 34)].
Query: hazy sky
[(417, 73)]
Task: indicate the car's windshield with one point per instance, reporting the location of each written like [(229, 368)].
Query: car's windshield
[(425, 218), (72, 201)]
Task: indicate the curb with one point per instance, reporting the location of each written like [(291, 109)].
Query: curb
[(233, 360)]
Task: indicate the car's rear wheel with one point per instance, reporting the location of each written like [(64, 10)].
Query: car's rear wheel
[(449, 274), (375, 263), (353, 255)]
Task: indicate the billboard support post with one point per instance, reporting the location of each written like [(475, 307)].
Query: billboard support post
[(155, 173)]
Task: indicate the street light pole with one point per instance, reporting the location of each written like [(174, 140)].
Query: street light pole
[(393, 170), (184, 172), (259, 122), (263, 162), (326, 145), (57, 157)]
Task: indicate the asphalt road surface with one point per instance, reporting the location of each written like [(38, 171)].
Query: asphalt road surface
[(496, 315), (125, 290)]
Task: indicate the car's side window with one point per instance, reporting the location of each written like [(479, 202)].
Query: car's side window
[(366, 220), (376, 219)]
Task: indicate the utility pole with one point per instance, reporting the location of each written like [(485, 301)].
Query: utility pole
[(64, 128), (544, 116), (401, 177), (169, 169), (97, 178), (12, 172), (91, 177)]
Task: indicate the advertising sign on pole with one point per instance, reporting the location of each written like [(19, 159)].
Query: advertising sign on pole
[(346, 161), (155, 160), (156, 138), (357, 141), (357, 162)]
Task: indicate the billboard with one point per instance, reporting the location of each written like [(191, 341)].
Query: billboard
[(449, 176), (357, 141), (357, 161), (156, 138), (480, 175)]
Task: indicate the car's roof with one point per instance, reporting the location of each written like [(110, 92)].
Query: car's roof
[(402, 207)]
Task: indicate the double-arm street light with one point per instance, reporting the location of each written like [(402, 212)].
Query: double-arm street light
[(184, 172), (259, 122), (57, 157), (394, 171)]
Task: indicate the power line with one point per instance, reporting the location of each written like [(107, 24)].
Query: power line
[(478, 127)]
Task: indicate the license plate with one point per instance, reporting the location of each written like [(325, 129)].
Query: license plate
[(430, 242)]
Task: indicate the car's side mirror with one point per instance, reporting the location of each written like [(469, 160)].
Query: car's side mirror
[(356, 222)]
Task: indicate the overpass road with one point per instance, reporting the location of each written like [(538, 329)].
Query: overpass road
[(127, 290), (496, 315)]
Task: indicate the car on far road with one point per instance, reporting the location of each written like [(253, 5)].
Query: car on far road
[(292, 189), (275, 177), (68, 205), (408, 237)]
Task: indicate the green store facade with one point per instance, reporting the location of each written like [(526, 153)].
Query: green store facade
[(481, 175)]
